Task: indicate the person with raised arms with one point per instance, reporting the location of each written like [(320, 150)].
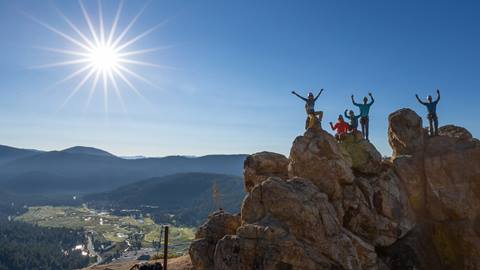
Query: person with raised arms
[(432, 112), (309, 104), (364, 111), (353, 120)]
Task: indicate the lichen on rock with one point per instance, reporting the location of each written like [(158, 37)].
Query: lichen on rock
[(362, 154)]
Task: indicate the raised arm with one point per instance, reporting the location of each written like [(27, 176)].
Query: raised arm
[(331, 125), (353, 101), (319, 93), (438, 96), (419, 100), (295, 93), (346, 115), (371, 97)]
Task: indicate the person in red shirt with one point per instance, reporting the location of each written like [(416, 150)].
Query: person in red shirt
[(341, 127)]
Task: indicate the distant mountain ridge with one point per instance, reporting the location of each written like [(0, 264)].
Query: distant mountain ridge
[(187, 196), (87, 151), (8, 153), (83, 169)]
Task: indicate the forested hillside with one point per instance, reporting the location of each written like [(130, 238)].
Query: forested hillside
[(187, 196), (26, 246)]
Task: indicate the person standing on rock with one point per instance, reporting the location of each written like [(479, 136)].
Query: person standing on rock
[(309, 104), (353, 120), (341, 127), (432, 112), (364, 110)]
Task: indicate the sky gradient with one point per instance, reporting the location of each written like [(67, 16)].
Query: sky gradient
[(231, 66)]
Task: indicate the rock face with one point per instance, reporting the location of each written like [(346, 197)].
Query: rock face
[(363, 156), (377, 209), (260, 166), (405, 132), (455, 132), (442, 180), (317, 156), (337, 205), (217, 226), (285, 225)]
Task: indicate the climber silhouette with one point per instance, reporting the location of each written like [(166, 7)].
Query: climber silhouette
[(353, 120), (432, 112), (364, 110), (341, 127), (309, 104)]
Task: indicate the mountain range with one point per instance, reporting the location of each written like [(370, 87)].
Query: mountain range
[(185, 198), (85, 169)]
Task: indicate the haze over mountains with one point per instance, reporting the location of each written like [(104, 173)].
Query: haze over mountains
[(86, 169), (187, 196)]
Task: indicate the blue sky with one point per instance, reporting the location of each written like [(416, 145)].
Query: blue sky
[(231, 68)]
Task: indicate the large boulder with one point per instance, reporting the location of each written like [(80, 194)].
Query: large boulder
[(453, 131), (363, 155), (410, 171), (414, 251), (291, 225), (318, 157), (405, 132), (433, 245), (260, 166), (442, 180), (453, 184), (217, 226), (377, 209)]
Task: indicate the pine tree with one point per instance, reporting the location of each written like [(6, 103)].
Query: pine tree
[(217, 196)]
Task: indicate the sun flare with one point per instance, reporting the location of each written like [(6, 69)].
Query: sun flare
[(104, 58), (101, 55)]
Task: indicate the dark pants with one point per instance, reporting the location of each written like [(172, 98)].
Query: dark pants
[(433, 122), (353, 128), (364, 122)]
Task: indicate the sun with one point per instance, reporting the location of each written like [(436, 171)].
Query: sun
[(102, 55), (104, 58)]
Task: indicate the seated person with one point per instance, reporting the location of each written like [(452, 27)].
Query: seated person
[(353, 120), (309, 103), (341, 127)]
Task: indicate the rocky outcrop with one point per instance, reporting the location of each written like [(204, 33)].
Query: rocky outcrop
[(337, 205), (453, 131), (442, 180), (217, 226), (260, 166), (289, 224), (318, 157), (363, 156), (405, 132), (377, 209)]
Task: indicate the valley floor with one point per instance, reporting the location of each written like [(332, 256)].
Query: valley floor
[(111, 237)]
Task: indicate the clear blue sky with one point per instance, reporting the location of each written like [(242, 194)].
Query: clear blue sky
[(235, 64)]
